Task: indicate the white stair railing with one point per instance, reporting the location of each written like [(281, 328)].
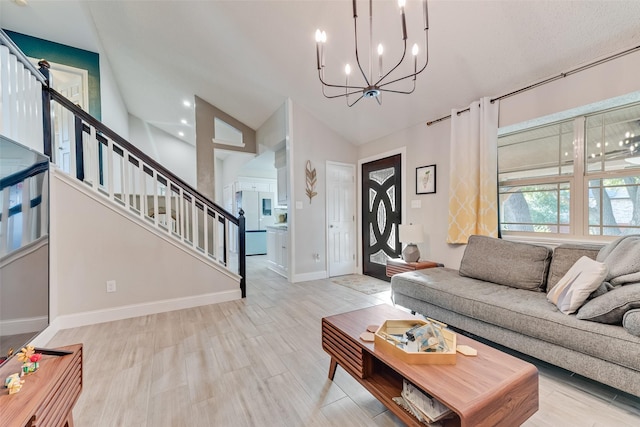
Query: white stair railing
[(20, 96), (119, 171)]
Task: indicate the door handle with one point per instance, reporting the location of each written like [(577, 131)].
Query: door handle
[(331, 226)]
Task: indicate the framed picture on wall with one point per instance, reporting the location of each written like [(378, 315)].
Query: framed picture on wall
[(426, 179)]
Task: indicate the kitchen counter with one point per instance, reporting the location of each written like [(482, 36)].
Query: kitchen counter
[(278, 226)]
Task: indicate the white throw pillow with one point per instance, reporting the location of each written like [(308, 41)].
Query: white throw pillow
[(577, 284)]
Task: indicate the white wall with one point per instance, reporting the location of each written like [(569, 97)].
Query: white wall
[(172, 153), (611, 79), (273, 132), (312, 140), (114, 111), (92, 243)]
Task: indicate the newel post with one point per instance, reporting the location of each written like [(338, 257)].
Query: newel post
[(242, 254), (46, 110)]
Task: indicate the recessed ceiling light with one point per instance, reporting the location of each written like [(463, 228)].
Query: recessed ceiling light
[(181, 133), (186, 103), (183, 121)]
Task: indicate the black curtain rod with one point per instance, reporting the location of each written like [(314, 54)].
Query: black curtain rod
[(549, 80)]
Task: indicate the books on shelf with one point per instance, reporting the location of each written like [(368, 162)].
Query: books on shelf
[(424, 407)]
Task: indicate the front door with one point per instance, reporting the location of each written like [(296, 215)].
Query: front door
[(380, 214)]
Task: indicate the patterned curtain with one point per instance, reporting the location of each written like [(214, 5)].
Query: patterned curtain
[(473, 184)]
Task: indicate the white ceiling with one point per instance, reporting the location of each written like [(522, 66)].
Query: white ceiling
[(247, 57)]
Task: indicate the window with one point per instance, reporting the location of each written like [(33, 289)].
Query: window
[(578, 177)]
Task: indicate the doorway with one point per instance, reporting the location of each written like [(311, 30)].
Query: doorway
[(341, 233), (381, 214), (73, 84)]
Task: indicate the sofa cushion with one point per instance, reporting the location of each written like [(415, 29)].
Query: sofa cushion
[(622, 256), (611, 307), (519, 265), (518, 310), (564, 256), (573, 289), (631, 322)]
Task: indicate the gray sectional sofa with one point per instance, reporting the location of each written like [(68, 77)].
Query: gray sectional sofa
[(499, 294)]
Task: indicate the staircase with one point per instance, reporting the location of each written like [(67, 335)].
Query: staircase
[(112, 170)]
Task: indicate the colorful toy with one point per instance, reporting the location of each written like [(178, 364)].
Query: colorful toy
[(13, 383)]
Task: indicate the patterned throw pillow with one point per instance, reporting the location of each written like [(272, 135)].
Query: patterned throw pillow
[(573, 289)]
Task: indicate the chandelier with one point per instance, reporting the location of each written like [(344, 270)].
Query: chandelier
[(385, 80)]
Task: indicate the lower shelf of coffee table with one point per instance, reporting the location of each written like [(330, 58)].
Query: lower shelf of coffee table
[(384, 384)]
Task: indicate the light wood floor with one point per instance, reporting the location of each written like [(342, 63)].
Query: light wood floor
[(259, 362)]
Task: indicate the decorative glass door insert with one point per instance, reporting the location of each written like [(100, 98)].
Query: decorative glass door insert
[(381, 214)]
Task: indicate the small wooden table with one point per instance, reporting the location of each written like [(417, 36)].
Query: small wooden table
[(48, 395), (398, 265), (491, 389)]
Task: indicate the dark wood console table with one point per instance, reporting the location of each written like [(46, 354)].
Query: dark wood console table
[(492, 389), (47, 396), (398, 265)]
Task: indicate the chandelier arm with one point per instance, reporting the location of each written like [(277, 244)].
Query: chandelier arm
[(397, 80), (401, 91), (358, 88), (355, 36), (426, 50), (354, 102), (341, 94), (404, 53), (412, 74)]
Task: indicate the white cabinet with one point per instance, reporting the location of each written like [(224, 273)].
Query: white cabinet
[(271, 245), (252, 186), (284, 250), (277, 250)]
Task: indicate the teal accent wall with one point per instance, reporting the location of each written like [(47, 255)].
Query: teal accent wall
[(66, 55)]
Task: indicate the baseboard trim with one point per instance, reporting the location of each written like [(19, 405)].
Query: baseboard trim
[(135, 310), (23, 326), (305, 277)]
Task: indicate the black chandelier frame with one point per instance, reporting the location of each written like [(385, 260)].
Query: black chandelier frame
[(373, 88)]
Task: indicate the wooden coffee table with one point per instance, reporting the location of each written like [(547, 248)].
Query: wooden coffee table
[(490, 389)]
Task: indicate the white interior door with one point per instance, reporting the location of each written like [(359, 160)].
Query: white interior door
[(341, 220), (72, 83)]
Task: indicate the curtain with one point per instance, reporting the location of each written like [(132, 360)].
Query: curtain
[(473, 183)]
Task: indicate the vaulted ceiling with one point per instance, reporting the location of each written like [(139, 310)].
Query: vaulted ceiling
[(247, 57)]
